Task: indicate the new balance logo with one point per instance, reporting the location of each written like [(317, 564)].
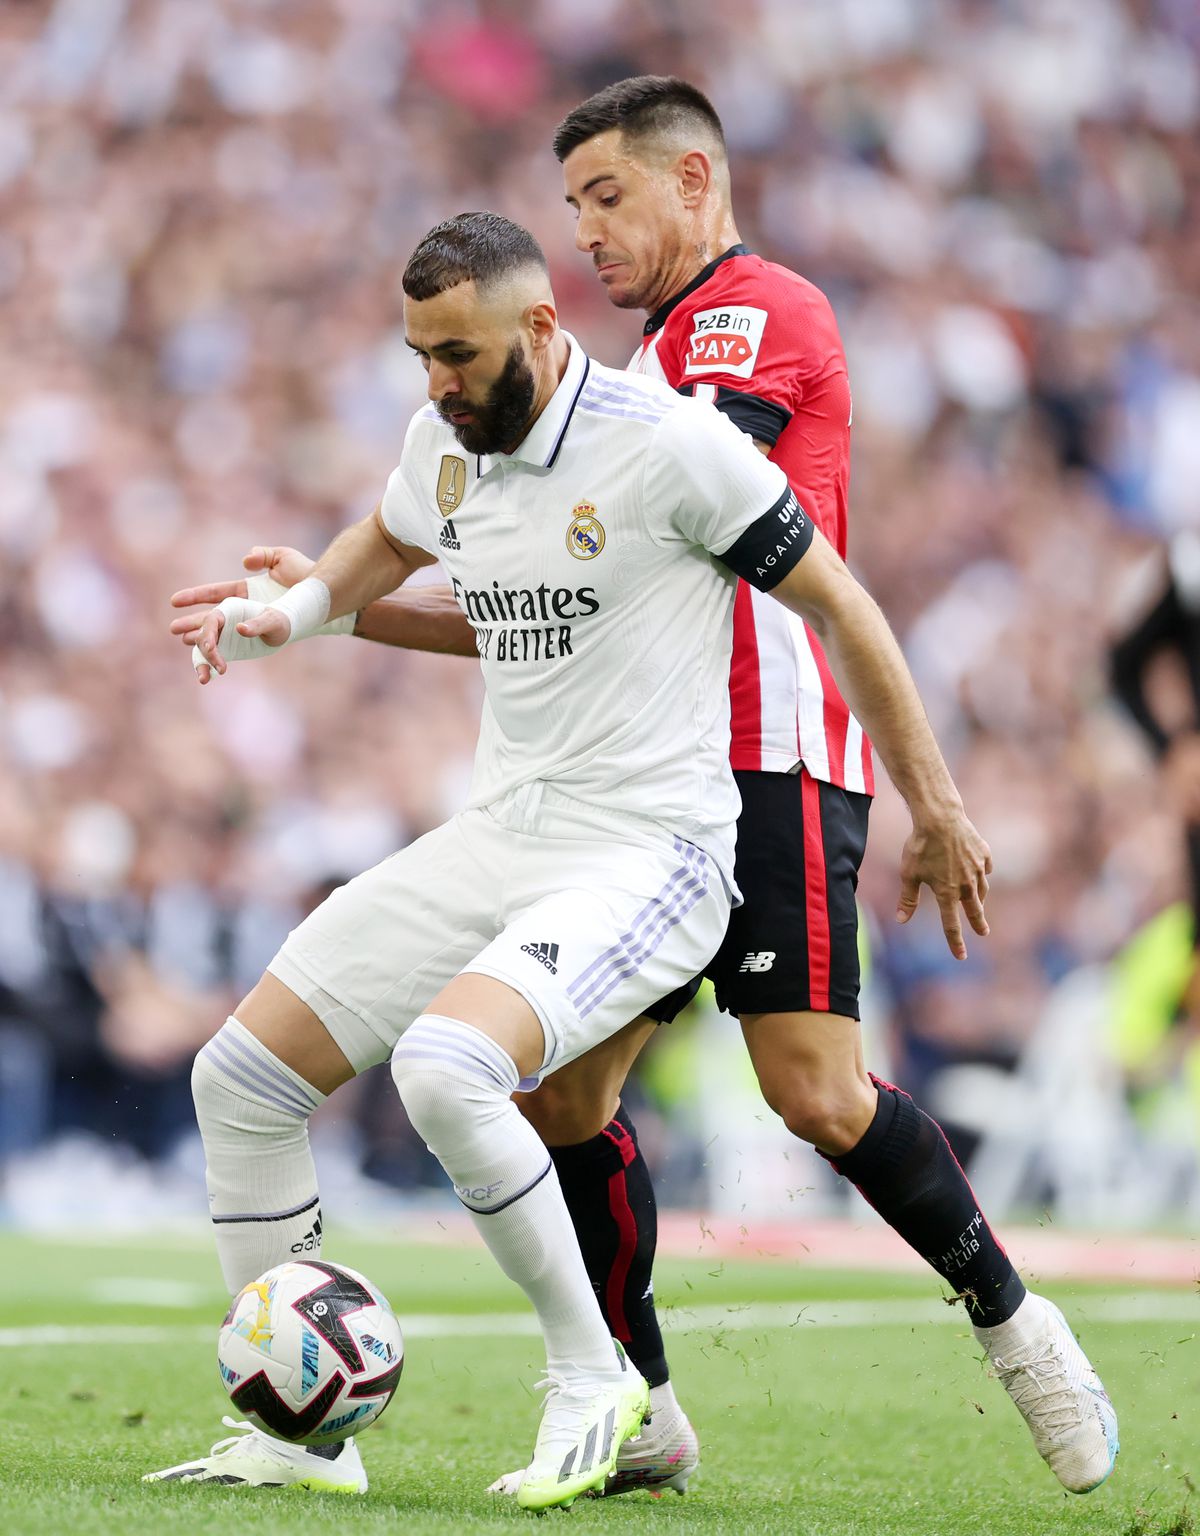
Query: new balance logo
[(762, 961), (544, 954), (311, 1241), (448, 538)]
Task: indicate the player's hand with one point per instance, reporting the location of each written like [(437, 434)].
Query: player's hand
[(237, 630), (273, 569), (953, 860)]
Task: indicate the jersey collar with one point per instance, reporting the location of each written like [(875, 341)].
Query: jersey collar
[(541, 444), (659, 318)]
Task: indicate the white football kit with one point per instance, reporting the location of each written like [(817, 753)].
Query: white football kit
[(593, 868)]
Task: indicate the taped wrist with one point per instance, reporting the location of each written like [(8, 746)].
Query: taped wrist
[(306, 606), (266, 590)]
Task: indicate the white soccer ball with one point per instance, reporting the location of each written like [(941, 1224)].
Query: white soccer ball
[(310, 1352)]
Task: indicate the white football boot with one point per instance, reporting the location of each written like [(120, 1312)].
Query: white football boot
[(585, 1422), (264, 1462), (663, 1455), (1056, 1391)]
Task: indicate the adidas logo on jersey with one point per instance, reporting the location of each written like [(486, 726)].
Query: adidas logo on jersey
[(448, 537), (762, 961), (311, 1241), (544, 954)]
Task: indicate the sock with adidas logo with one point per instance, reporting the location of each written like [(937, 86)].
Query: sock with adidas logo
[(253, 1112)]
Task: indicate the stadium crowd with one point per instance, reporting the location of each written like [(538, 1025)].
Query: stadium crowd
[(207, 207)]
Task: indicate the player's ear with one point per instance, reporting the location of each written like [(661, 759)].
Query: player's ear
[(542, 321), (694, 174)]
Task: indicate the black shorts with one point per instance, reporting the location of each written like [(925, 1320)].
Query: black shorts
[(792, 946)]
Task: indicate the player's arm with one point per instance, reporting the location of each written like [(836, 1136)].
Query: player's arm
[(944, 850), (421, 619), (363, 563), (415, 619), (725, 498)]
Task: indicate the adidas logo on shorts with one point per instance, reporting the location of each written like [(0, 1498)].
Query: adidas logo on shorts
[(544, 954)]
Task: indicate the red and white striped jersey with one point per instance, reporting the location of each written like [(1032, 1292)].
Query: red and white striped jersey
[(763, 345)]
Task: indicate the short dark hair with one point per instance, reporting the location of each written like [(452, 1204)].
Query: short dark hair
[(641, 107), (479, 247)]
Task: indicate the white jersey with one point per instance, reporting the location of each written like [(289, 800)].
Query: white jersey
[(587, 562)]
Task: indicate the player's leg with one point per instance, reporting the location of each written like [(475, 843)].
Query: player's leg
[(578, 1114), (610, 1198), (456, 1070), (254, 1085), (809, 1061), (334, 1001), (562, 976)]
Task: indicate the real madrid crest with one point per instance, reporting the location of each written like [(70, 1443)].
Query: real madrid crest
[(585, 532), (452, 483)]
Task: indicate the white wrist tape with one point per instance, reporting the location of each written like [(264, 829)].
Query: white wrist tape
[(265, 589), (306, 606)]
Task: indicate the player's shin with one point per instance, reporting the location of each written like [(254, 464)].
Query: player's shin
[(610, 1198), (253, 1111), (456, 1084), (904, 1166)]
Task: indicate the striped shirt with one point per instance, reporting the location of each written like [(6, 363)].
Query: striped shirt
[(762, 344)]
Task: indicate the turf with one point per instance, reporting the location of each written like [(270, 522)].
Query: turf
[(806, 1428)]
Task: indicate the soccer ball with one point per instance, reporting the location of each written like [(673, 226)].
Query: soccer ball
[(310, 1352)]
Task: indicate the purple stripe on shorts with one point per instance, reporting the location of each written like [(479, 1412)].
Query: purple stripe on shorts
[(631, 969), (644, 935), (641, 946), (695, 862), (655, 904)]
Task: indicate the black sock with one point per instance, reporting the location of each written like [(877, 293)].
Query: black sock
[(608, 1192), (904, 1167)]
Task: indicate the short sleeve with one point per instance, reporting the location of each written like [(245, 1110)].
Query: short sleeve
[(759, 355), (706, 483), (404, 513)]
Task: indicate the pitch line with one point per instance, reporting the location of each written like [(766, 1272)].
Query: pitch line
[(1131, 1307)]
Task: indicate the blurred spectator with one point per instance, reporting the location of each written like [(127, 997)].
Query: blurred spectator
[(207, 208)]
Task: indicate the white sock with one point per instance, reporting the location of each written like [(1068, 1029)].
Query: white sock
[(456, 1084), (262, 1186), (1024, 1327), (663, 1400)]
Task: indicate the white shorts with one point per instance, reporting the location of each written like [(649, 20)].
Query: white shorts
[(590, 916)]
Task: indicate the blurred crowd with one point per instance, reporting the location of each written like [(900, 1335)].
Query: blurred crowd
[(206, 208)]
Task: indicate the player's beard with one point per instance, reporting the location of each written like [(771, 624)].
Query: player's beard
[(502, 419)]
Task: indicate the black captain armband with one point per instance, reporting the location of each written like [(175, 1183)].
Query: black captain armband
[(762, 419), (772, 545)]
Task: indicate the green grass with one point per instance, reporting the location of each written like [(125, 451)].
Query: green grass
[(807, 1429)]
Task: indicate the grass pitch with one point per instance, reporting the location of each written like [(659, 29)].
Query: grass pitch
[(827, 1404)]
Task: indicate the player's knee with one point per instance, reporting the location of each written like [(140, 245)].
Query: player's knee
[(237, 1084), (207, 1093), (566, 1110), (826, 1115), (447, 1073)]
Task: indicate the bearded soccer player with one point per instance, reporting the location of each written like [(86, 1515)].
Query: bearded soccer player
[(645, 170), (601, 523)]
